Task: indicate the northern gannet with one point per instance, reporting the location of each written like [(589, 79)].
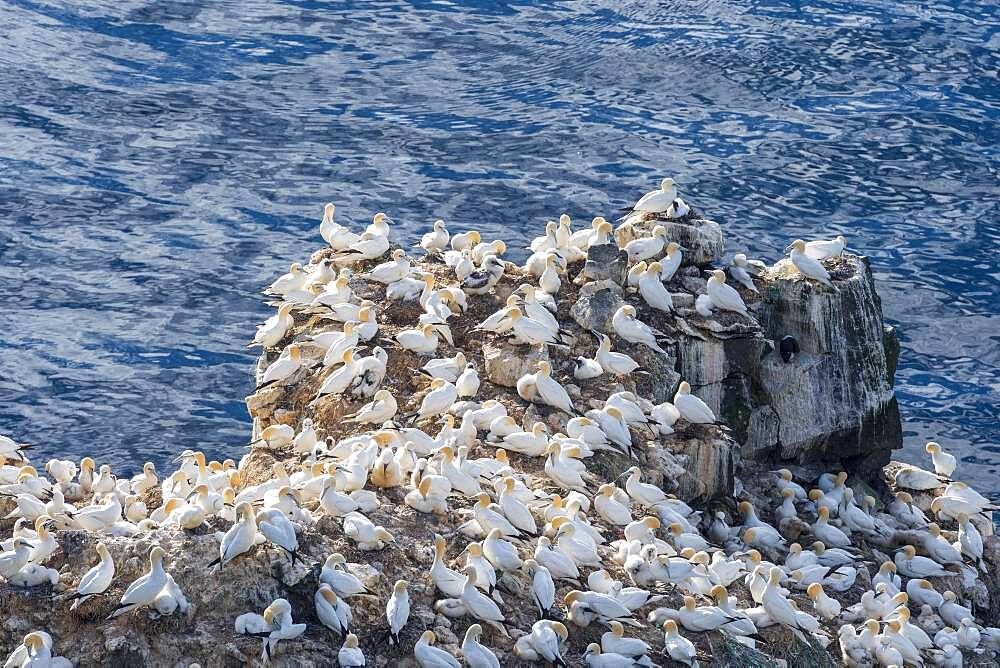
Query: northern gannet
[(332, 611), (279, 530), (725, 296), (397, 609), (671, 262), (657, 201), (479, 605), (274, 328), (544, 643), (635, 272), (423, 341), (350, 655), (482, 280), (367, 535), (616, 363), (913, 566), (467, 384), (549, 391), (144, 590), (633, 330), (820, 250), (429, 656), (644, 248), (738, 270), (369, 246), (465, 240), (652, 290), (691, 407), (532, 443), (549, 281), (808, 266), (437, 239), (612, 504), (944, 463), (438, 400), (598, 659), (676, 646), (475, 654), (389, 272), (335, 574)]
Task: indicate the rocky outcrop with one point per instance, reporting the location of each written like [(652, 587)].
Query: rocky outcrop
[(832, 403), (702, 238)]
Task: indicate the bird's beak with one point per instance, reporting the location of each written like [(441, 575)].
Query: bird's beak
[(788, 248)]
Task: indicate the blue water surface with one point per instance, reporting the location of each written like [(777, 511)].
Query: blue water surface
[(160, 162)]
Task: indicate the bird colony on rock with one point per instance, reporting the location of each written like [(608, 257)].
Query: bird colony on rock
[(636, 574)]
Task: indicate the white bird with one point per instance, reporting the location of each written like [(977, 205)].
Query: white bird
[(95, 581), (820, 250), (616, 363), (278, 618), (341, 379), (657, 201), (467, 384), (476, 602), (678, 647), (725, 296), (633, 330), (827, 608), (382, 407), (780, 609), (283, 367), (341, 581), (423, 341), (671, 262), (274, 328), (549, 391), (738, 271), (367, 535), (944, 463), (350, 655), (438, 400), (391, 271), (808, 266), (690, 407), (549, 281), (332, 611), (144, 590), (437, 239), (445, 368), (475, 654), (465, 240), (429, 656), (652, 290), (644, 248), (397, 610), (913, 566), (279, 530), (240, 537), (369, 246)]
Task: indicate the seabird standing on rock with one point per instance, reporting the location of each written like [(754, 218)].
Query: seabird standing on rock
[(724, 296), (656, 201), (820, 250), (692, 408), (739, 271), (808, 266)]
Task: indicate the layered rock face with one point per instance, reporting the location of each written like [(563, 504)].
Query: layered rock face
[(832, 403)]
